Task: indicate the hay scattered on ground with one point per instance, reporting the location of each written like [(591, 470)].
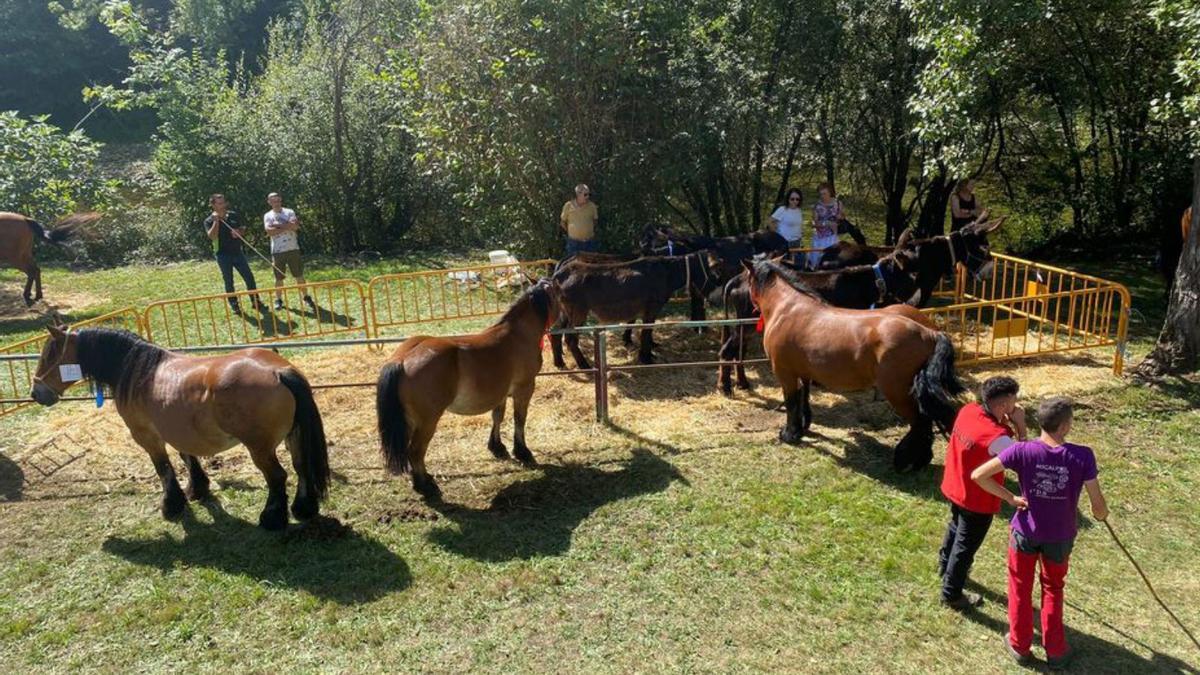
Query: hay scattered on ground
[(12, 304), (664, 411)]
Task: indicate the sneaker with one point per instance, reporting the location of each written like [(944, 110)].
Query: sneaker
[(1060, 662), (1021, 659), (235, 308), (964, 602), (309, 301), (278, 304)]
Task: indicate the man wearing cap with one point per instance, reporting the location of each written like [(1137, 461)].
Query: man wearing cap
[(578, 220)]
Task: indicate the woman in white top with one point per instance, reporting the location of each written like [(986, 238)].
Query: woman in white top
[(787, 220), (827, 213)]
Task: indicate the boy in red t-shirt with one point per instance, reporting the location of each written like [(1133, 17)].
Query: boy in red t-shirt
[(980, 432)]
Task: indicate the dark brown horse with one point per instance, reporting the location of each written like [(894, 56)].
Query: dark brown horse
[(200, 405), (17, 234), (937, 257), (468, 375), (849, 350), (625, 292)]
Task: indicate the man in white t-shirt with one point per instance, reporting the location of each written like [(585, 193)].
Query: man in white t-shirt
[(282, 226)]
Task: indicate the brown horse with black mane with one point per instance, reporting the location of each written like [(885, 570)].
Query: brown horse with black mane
[(849, 350), (17, 234), (467, 375), (201, 406)]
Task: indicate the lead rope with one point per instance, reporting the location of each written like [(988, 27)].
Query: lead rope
[(953, 257), (1152, 591)]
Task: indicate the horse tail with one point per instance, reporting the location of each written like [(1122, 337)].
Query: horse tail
[(936, 385), (389, 410), (65, 230), (307, 437)]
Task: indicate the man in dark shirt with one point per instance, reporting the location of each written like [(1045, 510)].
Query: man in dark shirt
[(224, 229)]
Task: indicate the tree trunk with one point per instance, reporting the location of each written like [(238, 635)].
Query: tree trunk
[(1178, 347), (932, 221)]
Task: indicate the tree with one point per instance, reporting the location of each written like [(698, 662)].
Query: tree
[(1178, 347), (46, 173)]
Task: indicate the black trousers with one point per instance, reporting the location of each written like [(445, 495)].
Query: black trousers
[(228, 263), (964, 535)]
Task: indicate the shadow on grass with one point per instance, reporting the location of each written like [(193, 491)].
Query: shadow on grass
[(12, 479), (323, 315), (1092, 653), (537, 517), (323, 556), (866, 455)]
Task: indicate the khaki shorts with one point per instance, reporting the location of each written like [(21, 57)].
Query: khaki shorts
[(289, 261)]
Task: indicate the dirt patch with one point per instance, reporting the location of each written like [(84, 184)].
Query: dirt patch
[(12, 304)]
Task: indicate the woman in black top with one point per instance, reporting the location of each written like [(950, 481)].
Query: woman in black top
[(964, 207)]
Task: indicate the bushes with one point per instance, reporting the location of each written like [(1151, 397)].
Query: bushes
[(46, 173)]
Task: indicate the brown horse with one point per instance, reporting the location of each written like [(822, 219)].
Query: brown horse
[(200, 406), (848, 350), (467, 375), (17, 234)]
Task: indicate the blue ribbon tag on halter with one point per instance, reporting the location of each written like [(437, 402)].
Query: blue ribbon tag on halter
[(99, 394), (670, 248)]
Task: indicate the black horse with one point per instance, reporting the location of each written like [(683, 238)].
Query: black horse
[(624, 292), (665, 241)]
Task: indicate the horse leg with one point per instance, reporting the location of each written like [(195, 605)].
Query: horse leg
[(173, 500), (725, 353), (274, 515), (915, 450), (521, 397), (422, 482), (556, 350), (742, 382), (494, 443), (37, 280), (806, 387), (197, 486), (577, 318), (627, 337), (31, 272), (793, 430), (645, 350)]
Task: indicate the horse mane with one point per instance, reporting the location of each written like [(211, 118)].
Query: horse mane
[(535, 296), (119, 359), (767, 270)]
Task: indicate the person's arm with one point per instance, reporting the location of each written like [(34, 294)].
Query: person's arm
[(214, 229), (273, 230), (982, 475), (294, 223), (1017, 417), (1096, 497), (235, 225), (978, 206), (562, 219)]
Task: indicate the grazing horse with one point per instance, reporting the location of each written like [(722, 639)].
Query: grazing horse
[(17, 234), (624, 292), (200, 405), (849, 350), (468, 375)]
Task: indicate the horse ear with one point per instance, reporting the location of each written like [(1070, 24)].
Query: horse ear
[(778, 258), (905, 237), (995, 224), (748, 265), (57, 331)]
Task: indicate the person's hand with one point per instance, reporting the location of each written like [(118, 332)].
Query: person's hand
[(1018, 502), (237, 234), (1101, 513), (1017, 416)]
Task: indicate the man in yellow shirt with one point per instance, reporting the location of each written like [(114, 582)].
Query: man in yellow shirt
[(578, 220)]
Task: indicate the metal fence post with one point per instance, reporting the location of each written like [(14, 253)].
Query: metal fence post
[(600, 357)]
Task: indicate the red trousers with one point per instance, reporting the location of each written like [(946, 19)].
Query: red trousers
[(1021, 567)]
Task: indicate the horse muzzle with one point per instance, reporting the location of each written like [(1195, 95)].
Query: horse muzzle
[(984, 271), (43, 395)]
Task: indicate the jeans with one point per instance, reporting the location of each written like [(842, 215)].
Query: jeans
[(964, 535), (228, 262), (1023, 558), (578, 246)]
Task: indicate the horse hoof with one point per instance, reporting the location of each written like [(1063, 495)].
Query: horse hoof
[(791, 436), (427, 488), (745, 385), (498, 450), (305, 508), (645, 360), (561, 365), (524, 456), (173, 504), (725, 388), (273, 518)]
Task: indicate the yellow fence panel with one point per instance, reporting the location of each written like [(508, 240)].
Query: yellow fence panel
[(450, 294), (233, 318), (16, 374)]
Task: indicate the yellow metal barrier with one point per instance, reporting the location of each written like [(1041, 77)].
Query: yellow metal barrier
[(16, 375), (341, 310), (449, 294)]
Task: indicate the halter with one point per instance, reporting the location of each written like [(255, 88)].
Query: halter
[(37, 377), (687, 267)]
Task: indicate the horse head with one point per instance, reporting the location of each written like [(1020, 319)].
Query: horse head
[(972, 248), (847, 227), (546, 296), (57, 367)]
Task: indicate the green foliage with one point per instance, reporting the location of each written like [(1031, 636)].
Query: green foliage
[(45, 173)]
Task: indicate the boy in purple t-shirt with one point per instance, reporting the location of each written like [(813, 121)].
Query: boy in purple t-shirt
[(1052, 473)]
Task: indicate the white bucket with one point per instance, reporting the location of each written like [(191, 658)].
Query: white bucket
[(499, 257)]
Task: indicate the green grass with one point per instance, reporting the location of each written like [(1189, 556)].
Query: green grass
[(677, 539)]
